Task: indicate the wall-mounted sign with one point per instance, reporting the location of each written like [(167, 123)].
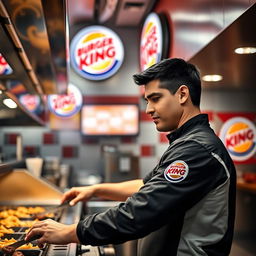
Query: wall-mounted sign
[(96, 53), (31, 102), (66, 105), (5, 68), (154, 42), (239, 136)]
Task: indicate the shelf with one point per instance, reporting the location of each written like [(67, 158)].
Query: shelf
[(9, 166), (249, 187)]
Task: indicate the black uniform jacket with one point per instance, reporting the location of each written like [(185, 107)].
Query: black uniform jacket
[(186, 206)]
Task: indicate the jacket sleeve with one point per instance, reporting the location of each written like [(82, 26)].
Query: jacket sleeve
[(159, 199)]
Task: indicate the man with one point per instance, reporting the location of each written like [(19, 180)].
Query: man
[(185, 206)]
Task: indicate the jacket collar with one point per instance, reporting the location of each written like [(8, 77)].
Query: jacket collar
[(201, 119)]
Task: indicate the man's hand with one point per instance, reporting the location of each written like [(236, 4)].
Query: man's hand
[(77, 194), (53, 232)]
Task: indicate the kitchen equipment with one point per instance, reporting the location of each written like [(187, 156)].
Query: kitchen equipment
[(27, 190), (9, 249), (50, 210)]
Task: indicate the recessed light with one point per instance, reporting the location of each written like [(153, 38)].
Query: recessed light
[(245, 50), (10, 103), (212, 78)]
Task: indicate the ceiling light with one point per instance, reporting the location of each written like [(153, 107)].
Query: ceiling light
[(245, 50), (10, 103), (212, 78), (1, 92)]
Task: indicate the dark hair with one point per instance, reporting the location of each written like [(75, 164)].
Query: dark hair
[(172, 73)]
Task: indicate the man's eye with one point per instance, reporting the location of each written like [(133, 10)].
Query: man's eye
[(155, 99)]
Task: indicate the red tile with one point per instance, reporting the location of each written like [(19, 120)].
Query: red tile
[(163, 138), (89, 140), (69, 152), (147, 150), (10, 138), (128, 140), (49, 138), (31, 151)]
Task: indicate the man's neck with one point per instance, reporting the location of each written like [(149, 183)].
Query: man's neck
[(188, 115)]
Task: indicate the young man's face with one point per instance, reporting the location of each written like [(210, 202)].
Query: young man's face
[(164, 108)]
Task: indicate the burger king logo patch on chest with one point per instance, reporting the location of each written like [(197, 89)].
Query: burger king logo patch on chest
[(176, 171)]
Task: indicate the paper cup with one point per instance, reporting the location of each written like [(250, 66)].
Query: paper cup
[(34, 165)]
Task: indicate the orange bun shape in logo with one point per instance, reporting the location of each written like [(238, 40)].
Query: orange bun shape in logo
[(176, 171), (239, 136), (96, 53)]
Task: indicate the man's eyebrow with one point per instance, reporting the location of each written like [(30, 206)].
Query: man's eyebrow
[(153, 94)]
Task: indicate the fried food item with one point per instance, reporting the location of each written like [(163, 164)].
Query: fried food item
[(5, 230), (13, 221), (5, 242), (23, 212)]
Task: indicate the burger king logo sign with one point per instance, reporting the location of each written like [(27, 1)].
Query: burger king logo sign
[(176, 171), (66, 105), (239, 136), (153, 41), (96, 53)]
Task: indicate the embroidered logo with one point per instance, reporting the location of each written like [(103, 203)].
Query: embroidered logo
[(176, 171)]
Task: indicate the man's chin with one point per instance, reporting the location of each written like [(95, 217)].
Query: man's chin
[(162, 129)]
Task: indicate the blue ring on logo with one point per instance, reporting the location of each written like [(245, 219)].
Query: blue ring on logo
[(244, 153), (170, 179)]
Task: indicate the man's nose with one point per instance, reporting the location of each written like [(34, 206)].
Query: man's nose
[(149, 109)]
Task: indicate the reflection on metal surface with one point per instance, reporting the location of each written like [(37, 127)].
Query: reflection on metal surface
[(40, 27), (108, 11)]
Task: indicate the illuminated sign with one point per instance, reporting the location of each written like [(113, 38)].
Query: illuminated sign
[(31, 102), (119, 119), (239, 136), (5, 69), (96, 53), (66, 105), (154, 42)]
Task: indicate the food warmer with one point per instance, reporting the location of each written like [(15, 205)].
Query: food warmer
[(19, 188)]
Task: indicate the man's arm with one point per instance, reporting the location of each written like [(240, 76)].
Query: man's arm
[(118, 191), (112, 191)]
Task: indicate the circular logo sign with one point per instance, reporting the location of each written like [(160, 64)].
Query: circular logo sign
[(5, 69), (176, 171), (239, 136), (96, 53), (151, 42), (31, 102), (66, 105)]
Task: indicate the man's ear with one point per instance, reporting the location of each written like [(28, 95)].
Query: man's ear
[(183, 94)]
